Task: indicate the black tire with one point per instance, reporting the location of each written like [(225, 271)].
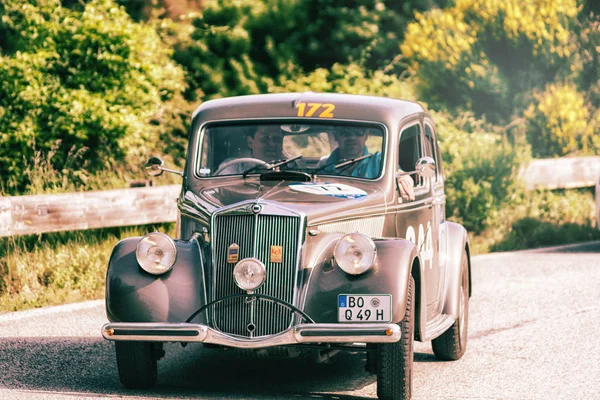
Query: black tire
[(452, 344), (136, 362), (395, 360)]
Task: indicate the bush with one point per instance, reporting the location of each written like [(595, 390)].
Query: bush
[(542, 218), (559, 122), (482, 169), (88, 81)]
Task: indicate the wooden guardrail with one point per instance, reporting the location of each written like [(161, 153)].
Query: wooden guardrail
[(21, 215), (562, 173)]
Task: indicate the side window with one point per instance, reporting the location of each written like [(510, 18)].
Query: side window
[(410, 150), (433, 150)]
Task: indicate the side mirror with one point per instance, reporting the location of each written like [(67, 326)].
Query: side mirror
[(156, 166), (425, 167)]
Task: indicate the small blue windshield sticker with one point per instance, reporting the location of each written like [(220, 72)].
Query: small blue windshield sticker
[(329, 189), (342, 301)]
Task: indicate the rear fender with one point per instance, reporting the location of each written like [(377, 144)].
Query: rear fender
[(458, 241), (389, 275), (133, 295)]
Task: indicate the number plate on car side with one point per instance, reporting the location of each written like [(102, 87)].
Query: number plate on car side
[(364, 308)]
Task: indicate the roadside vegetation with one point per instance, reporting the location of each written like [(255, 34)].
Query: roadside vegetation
[(91, 88)]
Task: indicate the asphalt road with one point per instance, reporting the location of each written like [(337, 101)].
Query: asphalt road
[(534, 334)]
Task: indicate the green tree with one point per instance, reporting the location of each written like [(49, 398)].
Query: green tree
[(242, 47), (88, 82), (489, 56)]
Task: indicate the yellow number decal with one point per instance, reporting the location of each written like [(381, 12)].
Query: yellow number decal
[(326, 112), (313, 107)]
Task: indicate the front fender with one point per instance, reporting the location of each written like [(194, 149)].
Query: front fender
[(458, 241), (133, 295), (390, 275)]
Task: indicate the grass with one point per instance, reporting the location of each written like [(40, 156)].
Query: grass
[(64, 267), (58, 268), (538, 219)]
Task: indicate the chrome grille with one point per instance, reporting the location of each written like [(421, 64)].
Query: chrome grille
[(255, 234)]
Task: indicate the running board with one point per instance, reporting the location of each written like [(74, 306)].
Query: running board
[(437, 326)]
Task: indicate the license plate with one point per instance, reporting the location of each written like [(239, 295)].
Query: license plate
[(364, 308)]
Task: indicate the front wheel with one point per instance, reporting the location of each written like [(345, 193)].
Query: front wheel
[(136, 362), (452, 344), (395, 360)]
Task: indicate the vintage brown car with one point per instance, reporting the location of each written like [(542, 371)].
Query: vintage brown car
[(307, 221)]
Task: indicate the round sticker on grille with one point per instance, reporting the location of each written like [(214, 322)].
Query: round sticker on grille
[(375, 302)]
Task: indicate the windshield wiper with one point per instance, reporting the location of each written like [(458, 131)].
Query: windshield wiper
[(343, 163), (271, 165)]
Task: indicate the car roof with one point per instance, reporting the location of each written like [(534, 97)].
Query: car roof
[(285, 105)]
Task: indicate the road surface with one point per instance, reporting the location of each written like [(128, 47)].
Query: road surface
[(534, 334)]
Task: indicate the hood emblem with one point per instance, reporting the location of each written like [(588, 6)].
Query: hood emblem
[(276, 254), (256, 208), (233, 253)]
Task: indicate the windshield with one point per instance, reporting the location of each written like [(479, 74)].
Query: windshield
[(326, 149)]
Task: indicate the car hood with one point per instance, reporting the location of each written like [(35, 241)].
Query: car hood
[(320, 201)]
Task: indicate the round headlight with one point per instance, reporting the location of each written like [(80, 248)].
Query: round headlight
[(355, 253), (156, 253), (249, 273)]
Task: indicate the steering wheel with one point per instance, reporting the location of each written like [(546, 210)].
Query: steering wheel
[(238, 166)]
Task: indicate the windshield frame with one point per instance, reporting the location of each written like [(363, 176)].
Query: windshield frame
[(201, 131)]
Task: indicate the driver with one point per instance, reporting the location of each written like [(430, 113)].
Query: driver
[(266, 143)]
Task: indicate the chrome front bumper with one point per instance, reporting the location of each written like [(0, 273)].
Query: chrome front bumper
[(303, 333)]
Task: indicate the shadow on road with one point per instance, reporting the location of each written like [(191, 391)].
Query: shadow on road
[(87, 366)]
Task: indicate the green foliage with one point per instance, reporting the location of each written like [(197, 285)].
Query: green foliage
[(481, 168), (541, 218), (350, 78), (244, 47), (86, 81), (588, 78), (487, 55), (559, 122)]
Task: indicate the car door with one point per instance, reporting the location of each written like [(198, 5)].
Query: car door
[(435, 275), (415, 219)]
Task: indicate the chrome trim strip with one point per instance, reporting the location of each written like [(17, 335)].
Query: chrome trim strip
[(302, 333), (202, 265)]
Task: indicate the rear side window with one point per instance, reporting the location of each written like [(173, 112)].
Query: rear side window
[(432, 150), (410, 150)]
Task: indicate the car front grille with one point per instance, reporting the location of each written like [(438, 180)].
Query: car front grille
[(254, 234)]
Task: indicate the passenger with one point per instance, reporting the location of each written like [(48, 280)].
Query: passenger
[(352, 144)]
